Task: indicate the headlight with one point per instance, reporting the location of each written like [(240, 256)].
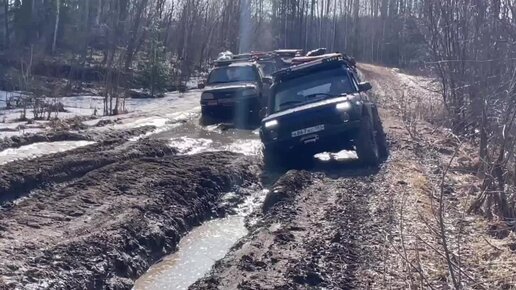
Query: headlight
[(344, 106), (271, 124), (248, 92), (207, 96)]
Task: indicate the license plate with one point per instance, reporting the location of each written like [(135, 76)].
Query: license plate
[(212, 103), (307, 131)]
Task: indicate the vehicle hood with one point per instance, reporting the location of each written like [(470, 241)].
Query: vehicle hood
[(230, 86), (307, 107)]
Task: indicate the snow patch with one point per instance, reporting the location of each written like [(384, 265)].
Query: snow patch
[(39, 149)]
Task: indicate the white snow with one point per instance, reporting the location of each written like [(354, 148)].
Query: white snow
[(39, 149)]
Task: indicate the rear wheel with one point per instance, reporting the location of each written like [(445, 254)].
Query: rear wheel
[(366, 143)]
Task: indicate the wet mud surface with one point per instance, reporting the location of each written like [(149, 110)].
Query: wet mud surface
[(18, 178), (104, 229), (314, 234)]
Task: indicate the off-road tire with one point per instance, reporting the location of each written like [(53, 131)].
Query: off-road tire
[(381, 137), (366, 144)]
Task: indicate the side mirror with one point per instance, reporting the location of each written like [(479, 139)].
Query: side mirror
[(267, 80), (364, 87), (201, 86)]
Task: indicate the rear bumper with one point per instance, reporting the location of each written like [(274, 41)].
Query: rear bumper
[(333, 137)]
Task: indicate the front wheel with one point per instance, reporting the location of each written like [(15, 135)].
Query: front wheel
[(366, 143), (381, 137)]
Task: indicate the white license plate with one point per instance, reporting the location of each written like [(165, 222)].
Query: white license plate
[(307, 131)]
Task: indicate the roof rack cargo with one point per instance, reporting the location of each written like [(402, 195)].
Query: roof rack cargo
[(231, 61), (289, 52), (243, 56), (306, 62), (317, 52)]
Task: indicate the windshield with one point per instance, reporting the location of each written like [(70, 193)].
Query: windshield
[(311, 88), (268, 68), (232, 74)]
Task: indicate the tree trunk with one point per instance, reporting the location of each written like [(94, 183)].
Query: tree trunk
[(6, 23), (134, 34), (56, 27), (99, 12)]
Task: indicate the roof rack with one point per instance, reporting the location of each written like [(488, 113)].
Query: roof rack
[(243, 56), (305, 62), (226, 62), (289, 53), (296, 61)]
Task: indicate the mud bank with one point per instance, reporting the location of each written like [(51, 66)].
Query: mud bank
[(307, 237), (323, 229), (103, 230), (20, 177)]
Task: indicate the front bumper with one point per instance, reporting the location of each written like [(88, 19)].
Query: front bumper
[(230, 102), (333, 137)]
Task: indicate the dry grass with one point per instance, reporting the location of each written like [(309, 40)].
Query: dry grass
[(414, 256)]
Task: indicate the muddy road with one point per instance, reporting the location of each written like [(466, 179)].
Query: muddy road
[(156, 200)]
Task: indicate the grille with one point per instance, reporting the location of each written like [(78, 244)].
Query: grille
[(306, 119), (224, 95)]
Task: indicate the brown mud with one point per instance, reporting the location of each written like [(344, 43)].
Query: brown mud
[(104, 229), (20, 177)]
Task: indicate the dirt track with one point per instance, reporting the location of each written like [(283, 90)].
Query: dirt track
[(359, 228), (105, 228), (319, 229)]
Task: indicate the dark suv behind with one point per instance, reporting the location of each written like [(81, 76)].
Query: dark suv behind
[(235, 89)]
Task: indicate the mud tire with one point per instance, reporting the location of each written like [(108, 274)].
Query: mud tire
[(381, 137), (366, 143)]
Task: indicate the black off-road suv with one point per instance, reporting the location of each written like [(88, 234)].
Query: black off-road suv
[(318, 106), (235, 89)]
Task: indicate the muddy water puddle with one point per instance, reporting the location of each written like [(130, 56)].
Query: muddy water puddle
[(200, 249), (197, 253), (39, 149), (191, 139)]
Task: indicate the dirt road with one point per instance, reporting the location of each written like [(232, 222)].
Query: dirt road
[(98, 216), (356, 228)]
